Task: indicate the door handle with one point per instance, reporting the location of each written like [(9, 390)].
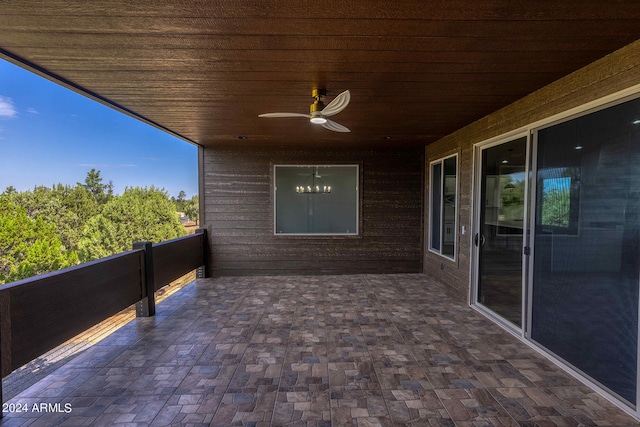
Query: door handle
[(479, 238)]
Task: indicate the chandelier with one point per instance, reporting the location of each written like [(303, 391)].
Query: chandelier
[(313, 185)]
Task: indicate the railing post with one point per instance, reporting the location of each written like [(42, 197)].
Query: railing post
[(205, 269), (147, 306), (5, 348), (1, 375), (5, 339)]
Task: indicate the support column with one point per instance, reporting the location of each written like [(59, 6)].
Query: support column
[(147, 306), (205, 269)]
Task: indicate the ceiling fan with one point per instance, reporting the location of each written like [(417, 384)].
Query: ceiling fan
[(318, 112)]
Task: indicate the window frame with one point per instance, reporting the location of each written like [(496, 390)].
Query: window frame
[(356, 234), (440, 161)]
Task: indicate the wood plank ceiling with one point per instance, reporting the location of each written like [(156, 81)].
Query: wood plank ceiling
[(417, 70)]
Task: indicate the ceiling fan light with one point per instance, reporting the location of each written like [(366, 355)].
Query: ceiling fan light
[(318, 120)]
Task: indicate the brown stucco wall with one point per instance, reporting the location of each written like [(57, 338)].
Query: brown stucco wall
[(613, 73)]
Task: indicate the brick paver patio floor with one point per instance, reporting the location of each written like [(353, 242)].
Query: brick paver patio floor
[(360, 350)]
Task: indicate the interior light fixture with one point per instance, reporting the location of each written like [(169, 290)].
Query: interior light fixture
[(310, 185), (318, 120), (578, 147), (636, 122), (504, 162)]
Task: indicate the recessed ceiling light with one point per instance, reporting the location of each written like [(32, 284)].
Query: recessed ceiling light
[(636, 122), (578, 147), (505, 162)]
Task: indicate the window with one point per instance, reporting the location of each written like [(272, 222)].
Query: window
[(316, 200), (443, 209), (559, 200)]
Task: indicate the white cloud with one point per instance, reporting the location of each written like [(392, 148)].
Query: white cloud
[(32, 111), (7, 110)]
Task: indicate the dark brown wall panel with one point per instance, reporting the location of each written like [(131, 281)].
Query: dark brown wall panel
[(238, 211)]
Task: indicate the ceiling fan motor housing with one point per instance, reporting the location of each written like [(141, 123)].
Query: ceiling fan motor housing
[(318, 94), (317, 105), (316, 108)]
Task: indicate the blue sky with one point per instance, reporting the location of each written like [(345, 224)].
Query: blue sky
[(50, 135)]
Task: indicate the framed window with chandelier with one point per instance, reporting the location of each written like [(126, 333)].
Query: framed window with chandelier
[(316, 200)]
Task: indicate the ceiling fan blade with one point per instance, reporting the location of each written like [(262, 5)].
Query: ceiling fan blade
[(284, 115), (339, 103), (336, 127)]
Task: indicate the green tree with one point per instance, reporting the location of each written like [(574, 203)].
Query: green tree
[(511, 198), (101, 192), (556, 207), (28, 246), (67, 208), (192, 208), (139, 214), (80, 201), (181, 197)]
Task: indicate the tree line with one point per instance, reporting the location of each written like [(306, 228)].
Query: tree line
[(50, 228)]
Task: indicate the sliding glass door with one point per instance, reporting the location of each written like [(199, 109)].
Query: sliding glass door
[(499, 235), (587, 244), (556, 255)]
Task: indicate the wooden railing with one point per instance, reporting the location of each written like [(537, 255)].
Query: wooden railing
[(39, 313)]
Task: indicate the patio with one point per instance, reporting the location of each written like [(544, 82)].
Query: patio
[(358, 350)]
